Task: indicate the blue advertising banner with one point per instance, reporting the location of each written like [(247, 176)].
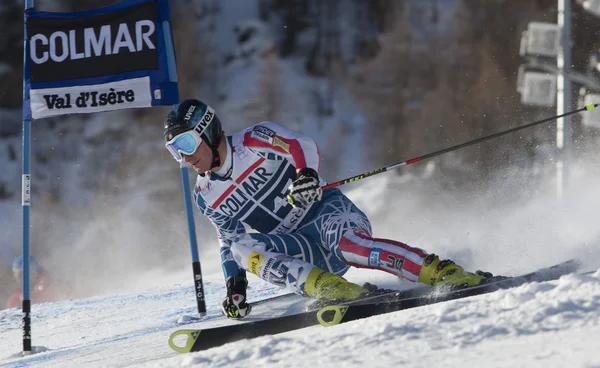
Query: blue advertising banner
[(112, 58)]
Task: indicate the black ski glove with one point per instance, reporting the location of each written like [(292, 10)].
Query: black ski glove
[(235, 305), (305, 190)]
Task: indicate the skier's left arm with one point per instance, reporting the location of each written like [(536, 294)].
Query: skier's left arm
[(300, 149)]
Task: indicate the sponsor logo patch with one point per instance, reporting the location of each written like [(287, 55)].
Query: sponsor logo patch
[(207, 188), (263, 134), (254, 262), (26, 190), (395, 262), (206, 119), (279, 143), (243, 192), (189, 113), (375, 257), (267, 269)]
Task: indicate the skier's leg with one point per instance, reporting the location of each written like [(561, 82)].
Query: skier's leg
[(297, 245), (347, 231), (359, 249), (257, 254)]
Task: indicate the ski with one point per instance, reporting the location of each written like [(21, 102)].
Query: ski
[(202, 339), (186, 319), (335, 314)]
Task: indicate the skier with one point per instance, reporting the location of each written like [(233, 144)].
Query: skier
[(267, 177), (44, 288)]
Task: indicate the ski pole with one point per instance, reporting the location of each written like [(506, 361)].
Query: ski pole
[(589, 107)]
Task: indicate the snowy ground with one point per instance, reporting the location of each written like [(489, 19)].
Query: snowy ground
[(553, 324), (537, 325)]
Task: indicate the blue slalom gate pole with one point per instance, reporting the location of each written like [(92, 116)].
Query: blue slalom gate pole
[(26, 195), (187, 198)]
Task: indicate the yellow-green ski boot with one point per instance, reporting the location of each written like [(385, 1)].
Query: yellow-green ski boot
[(447, 274), (326, 286)]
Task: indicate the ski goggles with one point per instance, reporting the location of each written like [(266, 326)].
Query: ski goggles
[(184, 143)]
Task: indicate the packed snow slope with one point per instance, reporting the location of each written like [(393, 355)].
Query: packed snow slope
[(537, 325)]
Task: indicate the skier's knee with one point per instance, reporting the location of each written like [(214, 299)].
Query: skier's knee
[(242, 249), (355, 244), (246, 240)]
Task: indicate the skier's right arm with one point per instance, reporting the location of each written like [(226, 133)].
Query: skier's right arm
[(228, 232)]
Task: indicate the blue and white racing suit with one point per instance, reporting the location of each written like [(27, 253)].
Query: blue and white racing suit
[(332, 234)]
